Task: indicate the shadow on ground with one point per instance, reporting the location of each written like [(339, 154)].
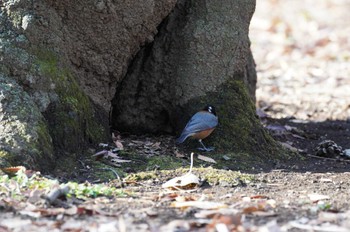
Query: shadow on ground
[(306, 137)]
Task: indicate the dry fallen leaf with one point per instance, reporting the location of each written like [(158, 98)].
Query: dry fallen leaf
[(166, 197), (119, 144), (207, 159), (259, 197), (73, 210), (212, 212), (326, 180), (264, 214), (250, 209), (116, 160), (176, 225), (35, 196), (225, 223), (117, 140), (13, 170), (156, 145), (261, 205), (179, 155), (30, 214), (188, 181), (108, 154), (82, 210), (50, 211), (314, 197), (99, 154), (185, 198), (288, 146), (199, 204)]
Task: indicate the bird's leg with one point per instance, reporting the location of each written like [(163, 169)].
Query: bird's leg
[(204, 148)]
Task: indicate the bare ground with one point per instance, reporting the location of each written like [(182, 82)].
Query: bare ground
[(302, 52)]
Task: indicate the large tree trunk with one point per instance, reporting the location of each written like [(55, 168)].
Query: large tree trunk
[(200, 46), (60, 62), (200, 56)]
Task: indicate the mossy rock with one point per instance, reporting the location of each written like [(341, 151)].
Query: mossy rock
[(24, 136)]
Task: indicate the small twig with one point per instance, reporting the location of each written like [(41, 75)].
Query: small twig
[(96, 181), (190, 171), (112, 170), (56, 193), (327, 158), (82, 164)]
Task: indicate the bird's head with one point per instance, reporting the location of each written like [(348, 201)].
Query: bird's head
[(210, 109)]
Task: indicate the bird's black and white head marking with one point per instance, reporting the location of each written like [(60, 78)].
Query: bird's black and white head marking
[(210, 109)]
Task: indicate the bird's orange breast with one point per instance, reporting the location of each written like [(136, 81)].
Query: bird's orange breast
[(203, 134)]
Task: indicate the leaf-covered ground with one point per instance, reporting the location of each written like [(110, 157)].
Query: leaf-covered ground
[(302, 52)]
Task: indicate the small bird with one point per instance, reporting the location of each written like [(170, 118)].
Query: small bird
[(200, 126)]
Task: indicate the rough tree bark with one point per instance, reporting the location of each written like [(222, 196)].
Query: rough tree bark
[(60, 62), (201, 55)]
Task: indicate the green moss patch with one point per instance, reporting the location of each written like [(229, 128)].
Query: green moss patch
[(25, 139), (209, 174), (239, 130), (72, 119), (20, 186)]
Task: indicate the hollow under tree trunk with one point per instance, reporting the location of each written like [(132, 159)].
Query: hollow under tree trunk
[(200, 56)]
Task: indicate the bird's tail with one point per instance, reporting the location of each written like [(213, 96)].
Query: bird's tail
[(182, 138)]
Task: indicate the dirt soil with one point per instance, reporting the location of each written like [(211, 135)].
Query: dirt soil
[(302, 51)]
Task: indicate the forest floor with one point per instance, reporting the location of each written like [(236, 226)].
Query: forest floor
[(302, 52)]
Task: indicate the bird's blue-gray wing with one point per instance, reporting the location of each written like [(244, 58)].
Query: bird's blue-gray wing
[(199, 122)]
